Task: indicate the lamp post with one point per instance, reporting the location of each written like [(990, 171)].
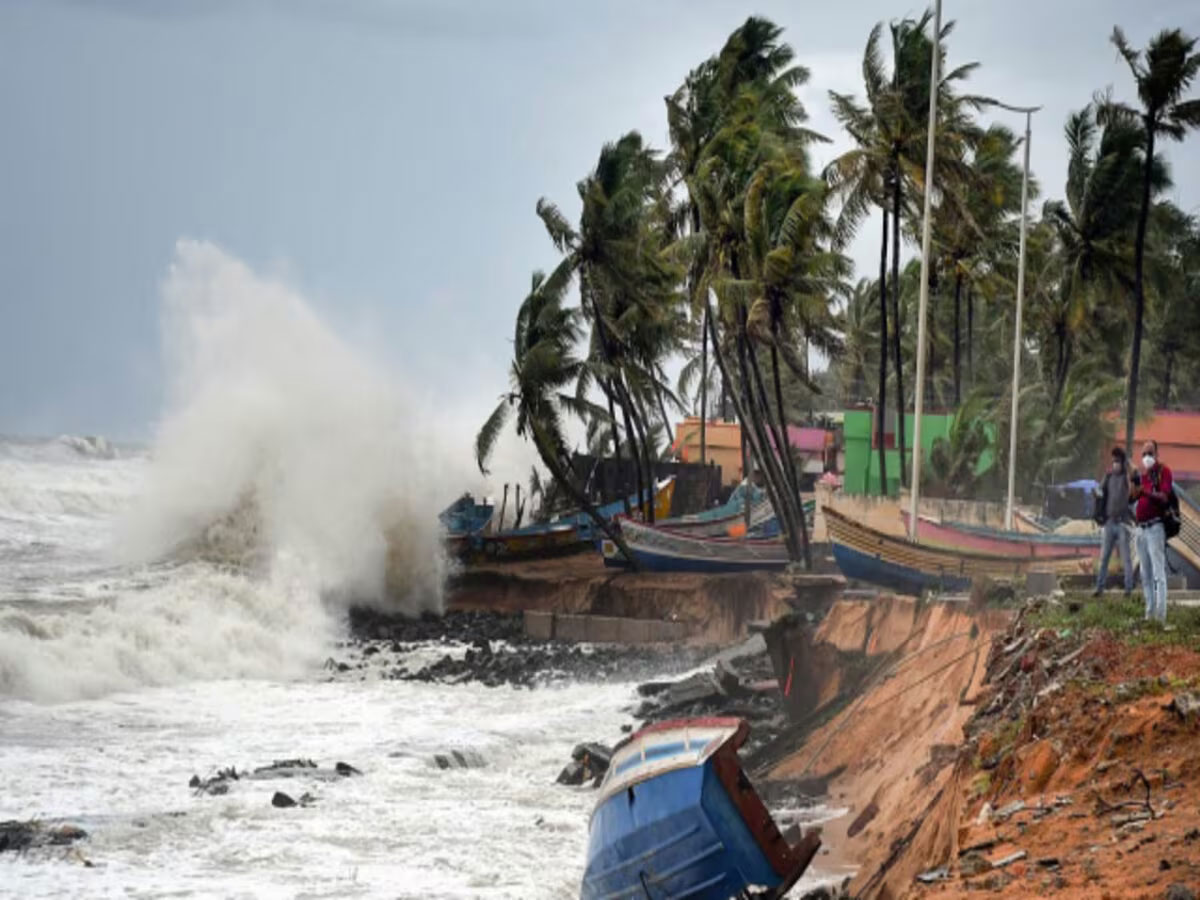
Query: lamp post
[(919, 405), (1016, 377)]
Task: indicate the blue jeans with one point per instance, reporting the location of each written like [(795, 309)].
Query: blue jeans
[(1114, 533), (1152, 553)]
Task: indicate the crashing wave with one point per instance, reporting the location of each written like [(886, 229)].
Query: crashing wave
[(91, 446)]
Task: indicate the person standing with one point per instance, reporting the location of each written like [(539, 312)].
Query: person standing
[(1152, 493), (1112, 513)]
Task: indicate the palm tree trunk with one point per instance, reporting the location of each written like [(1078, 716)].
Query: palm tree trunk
[(503, 506), (1166, 393), (616, 436), (520, 507), (970, 337), (881, 411), (1139, 293), (704, 390), (631, 436), (641, 423), (662, 411), (957, 339), (897, 358), (559, 473), (761, 416), (791, 462), (748, 434)]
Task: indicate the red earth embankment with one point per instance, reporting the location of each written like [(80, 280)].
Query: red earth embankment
[(898, 687), (1079, 776)]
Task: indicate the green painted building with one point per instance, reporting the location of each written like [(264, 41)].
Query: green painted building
[(861, 460)]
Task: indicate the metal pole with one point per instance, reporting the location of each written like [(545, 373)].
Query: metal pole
[(1016, 378), (919, 405)]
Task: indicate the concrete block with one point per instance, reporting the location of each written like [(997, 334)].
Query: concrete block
[(634, 631), (1039, 584), (571, 628), (604, 629), (539, 625)]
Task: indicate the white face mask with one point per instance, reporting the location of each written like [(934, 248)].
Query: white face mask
[(1147, 461), (1116, 467)]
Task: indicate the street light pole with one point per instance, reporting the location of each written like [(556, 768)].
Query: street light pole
[(1016, 376), (919, 405)]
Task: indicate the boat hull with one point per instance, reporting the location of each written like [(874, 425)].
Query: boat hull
[(979, 539), (865, 554), (678, 818), (658, 550)]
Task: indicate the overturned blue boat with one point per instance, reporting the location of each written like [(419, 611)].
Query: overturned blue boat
[(678, 818)]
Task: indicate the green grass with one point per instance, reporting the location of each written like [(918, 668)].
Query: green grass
[(1122, 618)]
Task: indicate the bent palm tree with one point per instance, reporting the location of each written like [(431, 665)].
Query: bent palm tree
[(544, 365), (1163, 72)]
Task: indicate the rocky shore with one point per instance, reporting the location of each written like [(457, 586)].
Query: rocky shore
[(490, 648)]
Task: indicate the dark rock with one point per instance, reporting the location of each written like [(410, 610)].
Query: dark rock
[(574, 774), (345, 769), (1180, 892), (19, 836), (195, 782), (282, 800), (594, 756)]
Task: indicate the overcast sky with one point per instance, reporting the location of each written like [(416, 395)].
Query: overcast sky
[(387, 155)]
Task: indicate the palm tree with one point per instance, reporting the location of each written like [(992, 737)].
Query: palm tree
[(1164, 73), (887, 166), (860, 323), (749, 116), (544, 365), (628, 289), (1093, 231)]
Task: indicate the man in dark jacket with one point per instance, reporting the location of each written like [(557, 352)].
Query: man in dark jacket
[(1112, 512), (1152, 492)]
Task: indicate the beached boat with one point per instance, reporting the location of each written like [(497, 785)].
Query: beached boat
[(912, 567), (658, 550), (716, 522), (664, 495), (462, 520), (997, 542), (677, 817), (544, 539)]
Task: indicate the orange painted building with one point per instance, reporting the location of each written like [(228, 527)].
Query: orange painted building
[(1178, 437), (723, 446)]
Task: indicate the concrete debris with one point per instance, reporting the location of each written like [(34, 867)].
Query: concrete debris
[(934, 875), (1006, 861), (1186, 706)]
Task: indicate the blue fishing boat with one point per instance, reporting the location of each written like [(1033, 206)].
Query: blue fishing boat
[(466, 515), (677, 817)]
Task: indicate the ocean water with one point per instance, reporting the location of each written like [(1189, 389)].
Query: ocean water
[(166, 611), (119, 682)]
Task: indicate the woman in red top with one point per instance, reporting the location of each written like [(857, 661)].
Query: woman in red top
[(1152, 492)]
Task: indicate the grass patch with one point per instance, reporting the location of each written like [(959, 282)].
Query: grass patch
[(1122, 618)]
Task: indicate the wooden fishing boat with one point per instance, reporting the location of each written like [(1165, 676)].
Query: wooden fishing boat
[(994, 541), (716, 522), (677, 817), (912, 567), (462, 520), (545, 539), (658, 550)]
